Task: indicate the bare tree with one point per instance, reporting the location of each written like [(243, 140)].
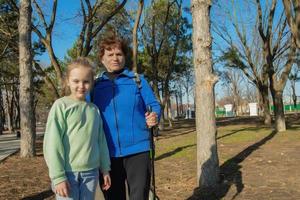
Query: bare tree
[(292, 12), (134, 37), (294, 77), (26, 87), (233, 80), (172, 50), (279, 55), (163, 33), (91, 25), (187, 79), (155, 42), (207, 155), (244, 52)]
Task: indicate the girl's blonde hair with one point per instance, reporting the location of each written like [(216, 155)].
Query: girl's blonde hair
[(78, 62)]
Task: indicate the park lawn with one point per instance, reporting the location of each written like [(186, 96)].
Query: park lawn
[(255, 163)]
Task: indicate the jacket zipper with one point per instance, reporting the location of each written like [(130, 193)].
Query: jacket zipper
[(116, 119)]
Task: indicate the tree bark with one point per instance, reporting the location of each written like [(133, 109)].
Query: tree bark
[(207, 155), (26, 92), (278, 110), (264, 95)]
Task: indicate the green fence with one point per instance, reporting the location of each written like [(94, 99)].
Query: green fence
[(289, 108), (220, 112)]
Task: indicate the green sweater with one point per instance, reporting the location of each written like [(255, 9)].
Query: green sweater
[(74, 139)]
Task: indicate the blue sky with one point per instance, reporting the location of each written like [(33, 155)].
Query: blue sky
[(67, 28)]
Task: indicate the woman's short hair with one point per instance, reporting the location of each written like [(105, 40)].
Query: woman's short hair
[(111, 42)]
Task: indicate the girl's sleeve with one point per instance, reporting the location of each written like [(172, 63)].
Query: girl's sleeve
[(53, 147), (104, 153)]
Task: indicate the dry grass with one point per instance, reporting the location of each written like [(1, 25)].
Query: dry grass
[(255, 164)]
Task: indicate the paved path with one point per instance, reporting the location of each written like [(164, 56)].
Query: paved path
[(9, 144)]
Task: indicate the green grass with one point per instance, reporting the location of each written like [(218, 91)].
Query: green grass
[(242, 134), (185, 145)]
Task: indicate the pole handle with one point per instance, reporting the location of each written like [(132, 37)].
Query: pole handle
[(149, 109)]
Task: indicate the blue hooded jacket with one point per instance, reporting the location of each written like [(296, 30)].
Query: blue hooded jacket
[(123, 106)]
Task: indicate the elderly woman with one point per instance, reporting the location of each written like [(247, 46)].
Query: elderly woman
[(122, 100)]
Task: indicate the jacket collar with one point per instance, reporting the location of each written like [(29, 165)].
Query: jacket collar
[(126, 72)]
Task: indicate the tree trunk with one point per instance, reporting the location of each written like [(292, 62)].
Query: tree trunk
[(187, 96), (294, 96), (181, 103), (26, 92), (177, 106), (56, 65), (278, 110), (134, 37), (1, 125), (155, 77), (169, 111), (264, 94), (161, 124), (1, 113), (7, 110), (17, 108), (207, 154)]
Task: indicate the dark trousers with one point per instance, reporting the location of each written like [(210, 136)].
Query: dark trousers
[(135, 169)]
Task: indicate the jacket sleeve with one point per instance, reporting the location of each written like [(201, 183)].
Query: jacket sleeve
[(104, 153), (53, 147), (149, 97)]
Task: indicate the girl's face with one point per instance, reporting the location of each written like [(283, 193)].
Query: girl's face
[(80, 82), (113, 60)]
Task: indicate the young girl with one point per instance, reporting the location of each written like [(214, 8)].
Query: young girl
[(74, 142)]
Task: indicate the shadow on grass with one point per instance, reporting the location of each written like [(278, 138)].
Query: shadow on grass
[(168, 154), (230, 175), (239, 130), (43, 195), (178, 149), (224, 121), (233, 132), (190, 123), (166, 136)]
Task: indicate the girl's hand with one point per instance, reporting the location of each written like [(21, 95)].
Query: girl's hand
[(151, 119), (106, 182), (62, 189)]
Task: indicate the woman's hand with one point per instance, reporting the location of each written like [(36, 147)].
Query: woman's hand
[(62, 189), (151, 119), (106, 182)]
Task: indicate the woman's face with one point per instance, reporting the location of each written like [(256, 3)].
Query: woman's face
[(113, 59)]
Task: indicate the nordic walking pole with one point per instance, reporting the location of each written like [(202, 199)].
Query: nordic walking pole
[(152, 155)]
